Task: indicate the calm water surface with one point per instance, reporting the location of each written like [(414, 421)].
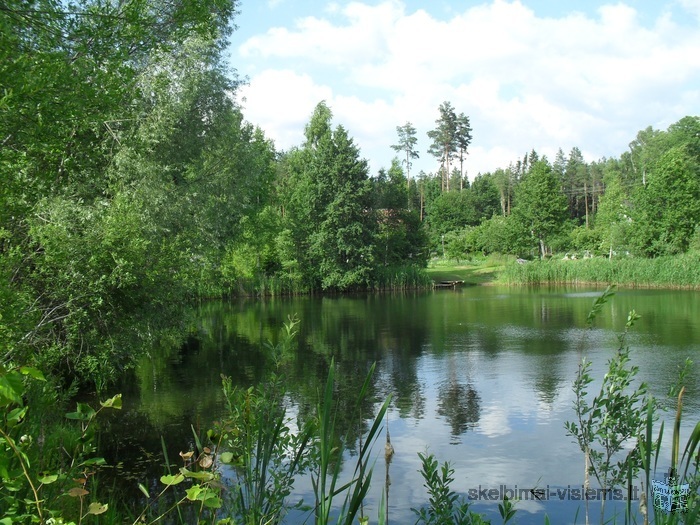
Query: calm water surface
[(481, 377)]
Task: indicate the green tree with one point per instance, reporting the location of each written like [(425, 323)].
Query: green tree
[(504, 182), (448, 212), (667, 209), (540, 206), (686, 132), (485, 196), (94, 228), (400, 237), (576, 185), (647, 146), (463, 138), (407, 145), (330, 207), (444, 140), (612, 219)]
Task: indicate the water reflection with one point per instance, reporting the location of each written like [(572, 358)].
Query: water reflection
[(481, 377), (459, 403)]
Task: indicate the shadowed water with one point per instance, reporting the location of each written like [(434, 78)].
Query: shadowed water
[(480, 377)]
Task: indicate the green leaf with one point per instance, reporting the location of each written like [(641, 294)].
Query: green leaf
[(204, 494), (94, 461), (144, 490), (213, 502), (113, 402), (204, 476), (47, 480), (193, 492), (172, 479), (226, 457), (16, 416), (32, 372), (84, 412), (97, 508), (11, 389)]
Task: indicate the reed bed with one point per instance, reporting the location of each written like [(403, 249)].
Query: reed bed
[(408, 277), (680, 271), (393, 278)]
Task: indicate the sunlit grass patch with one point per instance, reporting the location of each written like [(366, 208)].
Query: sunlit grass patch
[(478, 271)]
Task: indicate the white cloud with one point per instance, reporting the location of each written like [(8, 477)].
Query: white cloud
[(692, 6), (281, 103), (494, 421), (526, 81)]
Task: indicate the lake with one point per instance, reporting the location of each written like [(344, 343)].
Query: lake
[(480, 377)]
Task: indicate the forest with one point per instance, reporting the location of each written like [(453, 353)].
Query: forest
[(132, 183)]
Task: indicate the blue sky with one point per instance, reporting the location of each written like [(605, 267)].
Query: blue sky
[(542, 74)]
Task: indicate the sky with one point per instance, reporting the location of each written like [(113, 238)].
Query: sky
[(530, 74)]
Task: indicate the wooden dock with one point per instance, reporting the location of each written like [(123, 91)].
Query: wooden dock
[(448, 284)]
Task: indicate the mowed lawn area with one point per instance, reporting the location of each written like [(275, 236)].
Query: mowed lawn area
[(471, 272)]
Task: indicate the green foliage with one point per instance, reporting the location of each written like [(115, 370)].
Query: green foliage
[(644, 202), (118, 134), (34, 489), (444, 505), (451, 136), (682, 271), (450, 211), (94, 268), (406, 145), (254, 440), (667, 208), (400, 236), (612, 222), (609, 427), (265, 452), (328, 454), (485, 197), (401, 277), (584, 240), (327, 207), (540, 206)]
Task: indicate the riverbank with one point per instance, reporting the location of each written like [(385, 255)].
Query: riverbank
[(678, 271), (475, 271)]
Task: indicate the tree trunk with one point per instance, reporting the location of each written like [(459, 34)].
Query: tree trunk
[(585, 194), (408, 172), (421, 205)]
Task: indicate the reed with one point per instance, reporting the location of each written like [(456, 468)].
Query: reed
[(326, 478), (679, 271), (406, 277), (683, 470)]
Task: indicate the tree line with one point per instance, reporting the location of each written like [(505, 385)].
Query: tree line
[(131, 183), (645, 203)]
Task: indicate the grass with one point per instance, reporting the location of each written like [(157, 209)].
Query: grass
[(473, 271), (679, 271)]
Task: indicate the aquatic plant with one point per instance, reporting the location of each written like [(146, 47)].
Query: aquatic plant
[(607, 427), (681, 271), (444, 505), (29, 493)]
